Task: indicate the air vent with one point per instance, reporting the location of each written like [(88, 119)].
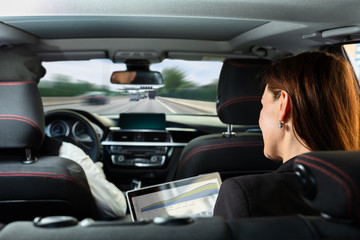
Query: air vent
[(140, 136)]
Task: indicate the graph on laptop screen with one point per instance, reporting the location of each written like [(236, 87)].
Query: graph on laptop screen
[(193, 197)]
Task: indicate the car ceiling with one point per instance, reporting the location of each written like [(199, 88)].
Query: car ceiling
[(82, 29)]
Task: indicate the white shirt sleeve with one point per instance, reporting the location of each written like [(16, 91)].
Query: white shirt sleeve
[(109, 199)]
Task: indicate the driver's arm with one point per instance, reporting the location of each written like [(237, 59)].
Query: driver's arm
[(109, 199)]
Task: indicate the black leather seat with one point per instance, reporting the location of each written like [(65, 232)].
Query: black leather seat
[(30, 184), (330, 184), (232, 154)]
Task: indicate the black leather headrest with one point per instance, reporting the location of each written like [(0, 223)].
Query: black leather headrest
[(331, 182), (240, 91), (21, 115)]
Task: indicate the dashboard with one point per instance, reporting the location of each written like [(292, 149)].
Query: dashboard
[(132, 146), (71, 128)]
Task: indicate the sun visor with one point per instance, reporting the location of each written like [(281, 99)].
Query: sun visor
[(72, 55), (11, 36)]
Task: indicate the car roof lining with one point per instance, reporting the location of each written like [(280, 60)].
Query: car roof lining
[(57, 27), (227, 27), (298, 10)]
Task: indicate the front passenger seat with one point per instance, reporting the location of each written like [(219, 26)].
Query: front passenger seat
[(232, 154), (33, 185)]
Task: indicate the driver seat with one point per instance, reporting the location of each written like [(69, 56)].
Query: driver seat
[(33, 184)]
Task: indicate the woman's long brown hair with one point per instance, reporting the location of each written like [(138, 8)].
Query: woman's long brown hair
[(324, 99)]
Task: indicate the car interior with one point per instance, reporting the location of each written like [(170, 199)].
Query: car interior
[(156, 92), (239, 95), (44, 182)]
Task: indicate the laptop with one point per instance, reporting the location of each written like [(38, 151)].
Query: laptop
[(192, 197)]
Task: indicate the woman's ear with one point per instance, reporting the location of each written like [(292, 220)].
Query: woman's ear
[(285, 106)]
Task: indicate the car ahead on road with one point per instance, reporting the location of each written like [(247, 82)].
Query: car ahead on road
[(134, 97), (96, 98), (141, 143)]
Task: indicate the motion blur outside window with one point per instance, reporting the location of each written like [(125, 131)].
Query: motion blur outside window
[(353, 53), (190, 88)]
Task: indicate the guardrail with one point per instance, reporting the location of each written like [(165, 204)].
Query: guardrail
[(204, 106), (53, 101)]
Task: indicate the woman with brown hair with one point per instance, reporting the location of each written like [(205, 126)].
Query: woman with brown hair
[(310, 103)]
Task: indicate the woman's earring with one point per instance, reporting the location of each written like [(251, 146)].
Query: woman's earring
[(281, 124)]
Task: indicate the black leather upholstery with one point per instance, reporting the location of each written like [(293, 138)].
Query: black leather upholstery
[(21, 115), (332, 173), (239, 96), (239, 91), (31, 183), (231, 156), (289, 227), (331, 182)]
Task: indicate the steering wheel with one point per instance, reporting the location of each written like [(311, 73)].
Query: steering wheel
[(93, 147)]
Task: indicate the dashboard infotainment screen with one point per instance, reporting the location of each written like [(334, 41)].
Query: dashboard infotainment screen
[(154, 121)]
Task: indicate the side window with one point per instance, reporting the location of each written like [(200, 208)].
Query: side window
[(353, 52)]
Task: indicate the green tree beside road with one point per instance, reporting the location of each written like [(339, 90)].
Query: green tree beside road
[(62, 86), (177, 86)]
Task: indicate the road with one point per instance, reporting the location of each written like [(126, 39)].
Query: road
[(123, 104)]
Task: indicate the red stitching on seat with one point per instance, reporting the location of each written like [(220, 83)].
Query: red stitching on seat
[(15, 83), (42, 174), (347, 190), (8, 115), (333, 167), (239, 99), (347, 177), (20, 118), (217, 146)]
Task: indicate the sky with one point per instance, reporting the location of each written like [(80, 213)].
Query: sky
[(99, 71)]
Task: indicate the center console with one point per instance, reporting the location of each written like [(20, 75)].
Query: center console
[(140, 141), (138, 148)]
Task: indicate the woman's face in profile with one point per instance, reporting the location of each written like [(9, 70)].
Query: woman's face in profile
[(268, 122)]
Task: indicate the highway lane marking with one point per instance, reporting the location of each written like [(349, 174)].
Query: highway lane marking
[(169, 108)]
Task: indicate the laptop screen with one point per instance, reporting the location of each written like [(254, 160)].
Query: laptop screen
[(193, 197)]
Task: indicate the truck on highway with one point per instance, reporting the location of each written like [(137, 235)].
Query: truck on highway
[(151, 94)]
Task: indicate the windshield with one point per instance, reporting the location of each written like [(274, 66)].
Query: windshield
[(189, 88), (353, 53)]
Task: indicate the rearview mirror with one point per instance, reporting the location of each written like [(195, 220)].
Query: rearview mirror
[(137, 78)]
